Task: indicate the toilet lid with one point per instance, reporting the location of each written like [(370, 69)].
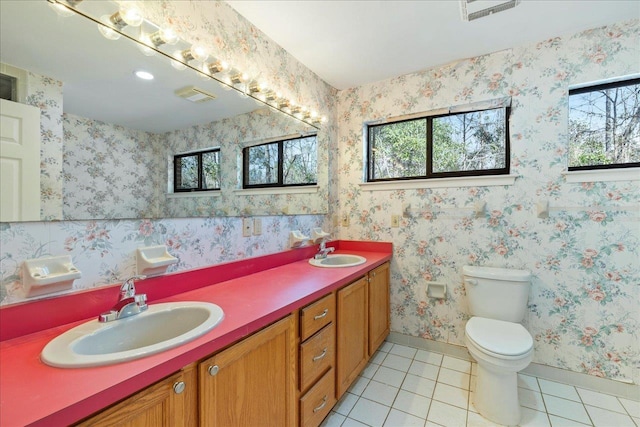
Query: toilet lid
[(499, 337)]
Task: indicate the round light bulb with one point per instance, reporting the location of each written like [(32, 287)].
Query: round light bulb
[(131, 16), (169, 36), (199, 53)]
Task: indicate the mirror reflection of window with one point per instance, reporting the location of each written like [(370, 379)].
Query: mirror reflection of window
[(288, 162), (197, 171), (8, 87)]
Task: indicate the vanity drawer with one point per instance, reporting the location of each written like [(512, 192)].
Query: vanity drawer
[(317, 355), (317, 402), (314, 316)]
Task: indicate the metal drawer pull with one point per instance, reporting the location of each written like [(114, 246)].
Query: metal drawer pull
[(323, 354), (213, 370), (179, 387), (322, 405), (320, 316)]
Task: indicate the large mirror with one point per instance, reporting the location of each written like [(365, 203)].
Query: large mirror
[(108, 137)]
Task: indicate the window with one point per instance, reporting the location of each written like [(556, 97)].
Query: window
[(604, 126), (282, 163), (197, 171), (448, 145)]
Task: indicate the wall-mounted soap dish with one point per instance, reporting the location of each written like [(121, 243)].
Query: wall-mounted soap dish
[(317, 235), (154, 260), (297, 239), (46, 275)]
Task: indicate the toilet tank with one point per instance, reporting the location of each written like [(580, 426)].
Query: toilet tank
[(497, 293)]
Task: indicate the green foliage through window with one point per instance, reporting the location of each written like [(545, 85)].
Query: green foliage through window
[(197, 171), (281, 163), (604, 126), (458, 144)]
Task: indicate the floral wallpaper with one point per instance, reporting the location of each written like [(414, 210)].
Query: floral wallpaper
[(47, 93), (114, 172), (583, 311), (110, 171), (105, 251), (232, 135)]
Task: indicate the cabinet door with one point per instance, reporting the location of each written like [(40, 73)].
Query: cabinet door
[(352, 342), (252, 383), (379, 307), (168, 403)]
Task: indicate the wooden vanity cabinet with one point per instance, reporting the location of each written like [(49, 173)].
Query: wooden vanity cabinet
[(352, 342), (169, 402), (316, 361), (251, 383), (379, 306), (362, 323)]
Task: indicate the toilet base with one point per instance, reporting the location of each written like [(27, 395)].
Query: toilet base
[(496, 396)]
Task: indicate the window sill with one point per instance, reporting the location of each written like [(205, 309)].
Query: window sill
[(475, 181), (213, 193), (305, 189), (623, 174)]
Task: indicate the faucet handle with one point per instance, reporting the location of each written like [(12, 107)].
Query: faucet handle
[(128, 289)]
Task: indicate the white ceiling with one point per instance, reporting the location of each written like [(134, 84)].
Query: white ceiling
[(350, 43)]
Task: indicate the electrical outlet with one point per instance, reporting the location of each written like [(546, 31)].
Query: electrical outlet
[(336, 220), (246, 227), (257, 226), (395, 221), (345, 220)]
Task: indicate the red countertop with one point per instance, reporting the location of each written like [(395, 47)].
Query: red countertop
[(253, 293)]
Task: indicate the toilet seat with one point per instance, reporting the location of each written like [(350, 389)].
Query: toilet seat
[(504, 340)]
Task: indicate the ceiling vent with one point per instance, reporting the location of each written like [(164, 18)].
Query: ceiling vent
[(474, 9), (194, 94)]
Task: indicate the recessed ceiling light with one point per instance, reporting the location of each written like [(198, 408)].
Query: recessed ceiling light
[(145, 75)]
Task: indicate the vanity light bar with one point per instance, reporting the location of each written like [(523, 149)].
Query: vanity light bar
[(111, 26)]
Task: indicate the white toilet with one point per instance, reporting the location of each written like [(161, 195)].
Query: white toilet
[(496, 340)]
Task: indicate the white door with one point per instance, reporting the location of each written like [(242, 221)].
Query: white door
[(19, 162)]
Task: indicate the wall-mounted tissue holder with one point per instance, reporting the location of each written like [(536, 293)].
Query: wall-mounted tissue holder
[(154, 260), (46, 275), (436, 290), (317, 235), (297, 239)]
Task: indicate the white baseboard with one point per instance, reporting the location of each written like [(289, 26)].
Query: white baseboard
[(577, 379)]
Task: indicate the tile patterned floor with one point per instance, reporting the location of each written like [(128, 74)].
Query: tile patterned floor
[(404, 387)]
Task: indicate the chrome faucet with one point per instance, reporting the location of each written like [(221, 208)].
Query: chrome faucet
[(324, 250), (129, 303)]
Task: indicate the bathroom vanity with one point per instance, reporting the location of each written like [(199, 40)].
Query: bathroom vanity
[(293, 339)]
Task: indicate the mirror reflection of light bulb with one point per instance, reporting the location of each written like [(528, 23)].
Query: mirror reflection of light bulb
[(105, 30), (146, 46), (177, 62), (62, 10)]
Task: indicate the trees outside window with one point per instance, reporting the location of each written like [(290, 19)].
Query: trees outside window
[(281, 163), (458, 144), (604, 126), (197, 171)]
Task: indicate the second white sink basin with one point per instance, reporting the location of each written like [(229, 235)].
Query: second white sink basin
[(160, 327), (338, 260)]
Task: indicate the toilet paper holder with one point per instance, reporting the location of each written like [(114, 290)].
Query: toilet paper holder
[(437, 290)]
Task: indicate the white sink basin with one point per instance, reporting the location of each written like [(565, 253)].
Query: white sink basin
[(338, 260), (159, 328)]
